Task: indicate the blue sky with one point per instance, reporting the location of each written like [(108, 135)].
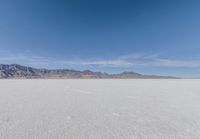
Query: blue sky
[(147, 36)]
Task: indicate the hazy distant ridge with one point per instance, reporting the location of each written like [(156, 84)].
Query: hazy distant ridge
[(19, 71)]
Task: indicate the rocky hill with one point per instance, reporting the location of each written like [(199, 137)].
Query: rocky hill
[(23, 72)]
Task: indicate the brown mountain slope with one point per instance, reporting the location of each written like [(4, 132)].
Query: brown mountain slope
[(18, 71)]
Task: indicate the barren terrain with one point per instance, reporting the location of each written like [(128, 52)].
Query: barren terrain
[(100, 109)]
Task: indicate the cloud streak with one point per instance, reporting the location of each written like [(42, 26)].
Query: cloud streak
[(139, 61), (124, 61)]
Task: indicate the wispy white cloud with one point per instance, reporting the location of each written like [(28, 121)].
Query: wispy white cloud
[(124, 61), (139, 61)]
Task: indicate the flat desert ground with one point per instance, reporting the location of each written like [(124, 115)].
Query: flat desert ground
[(100, 109)]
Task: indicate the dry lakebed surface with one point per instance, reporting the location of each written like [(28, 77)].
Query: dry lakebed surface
[(100, 109)]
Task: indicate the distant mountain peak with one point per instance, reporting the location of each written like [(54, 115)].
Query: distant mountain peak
[(19, 71)]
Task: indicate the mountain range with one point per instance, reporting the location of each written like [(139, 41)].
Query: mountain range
[(15, 71)]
